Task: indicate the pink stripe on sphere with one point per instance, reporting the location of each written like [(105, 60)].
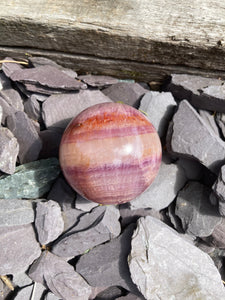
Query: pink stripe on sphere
[(110, 153)]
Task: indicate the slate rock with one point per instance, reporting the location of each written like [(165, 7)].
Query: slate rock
[(71, 217), (62, 193), (21, 279), (209, 119), (7, 110), (163, 190), (191, 137), (60, 277), (16, 212), (32, 108), (10, 68), (113, 292), (0, 114), (26, 134), (58, 110), (219, 190), (98, 80), (159, 108), (106, 265), (39, 290), (127, 92), (48, 76), (201, 92), (198, 216), (217, 238), (51, 296), (24, 293), (31, 180), (51, 139), (193, 170), (9, 149), (163, 265), (130, 297), (220, 121), (48, 221), (19, 248), (84, 204)]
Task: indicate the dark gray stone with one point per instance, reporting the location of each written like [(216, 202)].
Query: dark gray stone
[(113, 292), (98, 80), (7, 110), (9, 149), (19, 248), (71, 217), (126, 92), (26, 134), (198, 216), (10, 68), (106, 265), (48, 76), (48, 221), (217, 238), (219, 190), (159, 108), (62, 193), (30, 181), (16, 212), (164, 265), (60, 277), (130, 297), (201, 92), (32, 108), (191, 137), (51, 139), (58, 110), (163, 190)]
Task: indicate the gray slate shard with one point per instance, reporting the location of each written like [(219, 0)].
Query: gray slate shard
[(219, 190), (76, 242), (16, 212), (31, 180), (51, 139), (163, 190), (9, 149), (126, 92), (0, 114), (47, 76), (209, 119), (32, 108), (198, 216), (111, 220), (51, 296), (84, 204), (106, 265), (192, 168), (62, 193), (19, 248), (130, 296), (60, 277), (48, 221), (113, 292), (26, 134), (24, 293), (10, 68), (217, 238), (71, 217), (201, 92), (98, 80), (220, 121), (58, 110), (37, 61), (191, 137), (159, 108), (163, 265), (21, 279)]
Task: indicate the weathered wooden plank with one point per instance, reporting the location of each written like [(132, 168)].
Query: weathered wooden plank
[(172, 33)]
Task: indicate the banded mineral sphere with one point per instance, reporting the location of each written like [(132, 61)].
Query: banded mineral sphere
[(110, 153)]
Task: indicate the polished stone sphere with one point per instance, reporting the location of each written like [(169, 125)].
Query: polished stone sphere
[(110, 153)]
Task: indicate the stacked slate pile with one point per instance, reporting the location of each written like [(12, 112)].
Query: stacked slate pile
[(169, 243)]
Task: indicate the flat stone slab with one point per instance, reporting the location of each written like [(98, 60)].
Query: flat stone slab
[(31, 180), (219, 190), (164, 265), (191, 137), (16, 256)]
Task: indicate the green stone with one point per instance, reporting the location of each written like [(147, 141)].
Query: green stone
[(31, 180)]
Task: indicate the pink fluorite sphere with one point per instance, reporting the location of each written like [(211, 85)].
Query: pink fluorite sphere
[(110, 153)]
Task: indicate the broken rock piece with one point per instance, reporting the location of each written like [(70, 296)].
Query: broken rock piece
[(60, 277), (163, 265), (219, 190), (98, 80), (191, 137)]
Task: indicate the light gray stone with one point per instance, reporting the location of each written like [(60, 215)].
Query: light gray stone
[(24, 293), (220, 121), (16, 212), (58, 110), (159, 108), (21, 279), (19, 248), (51, 296), (198, 216), (48, 221), (190, 136), (106, 265), (209, 119), (31, 180), (111, 220), (163, 190), (71, 217), (26, 134), (0, 114), (163, 265), (127, 92), (39, 291), (84, 204), (60, 277), (9, 149), (219, 190), (98, 80)]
